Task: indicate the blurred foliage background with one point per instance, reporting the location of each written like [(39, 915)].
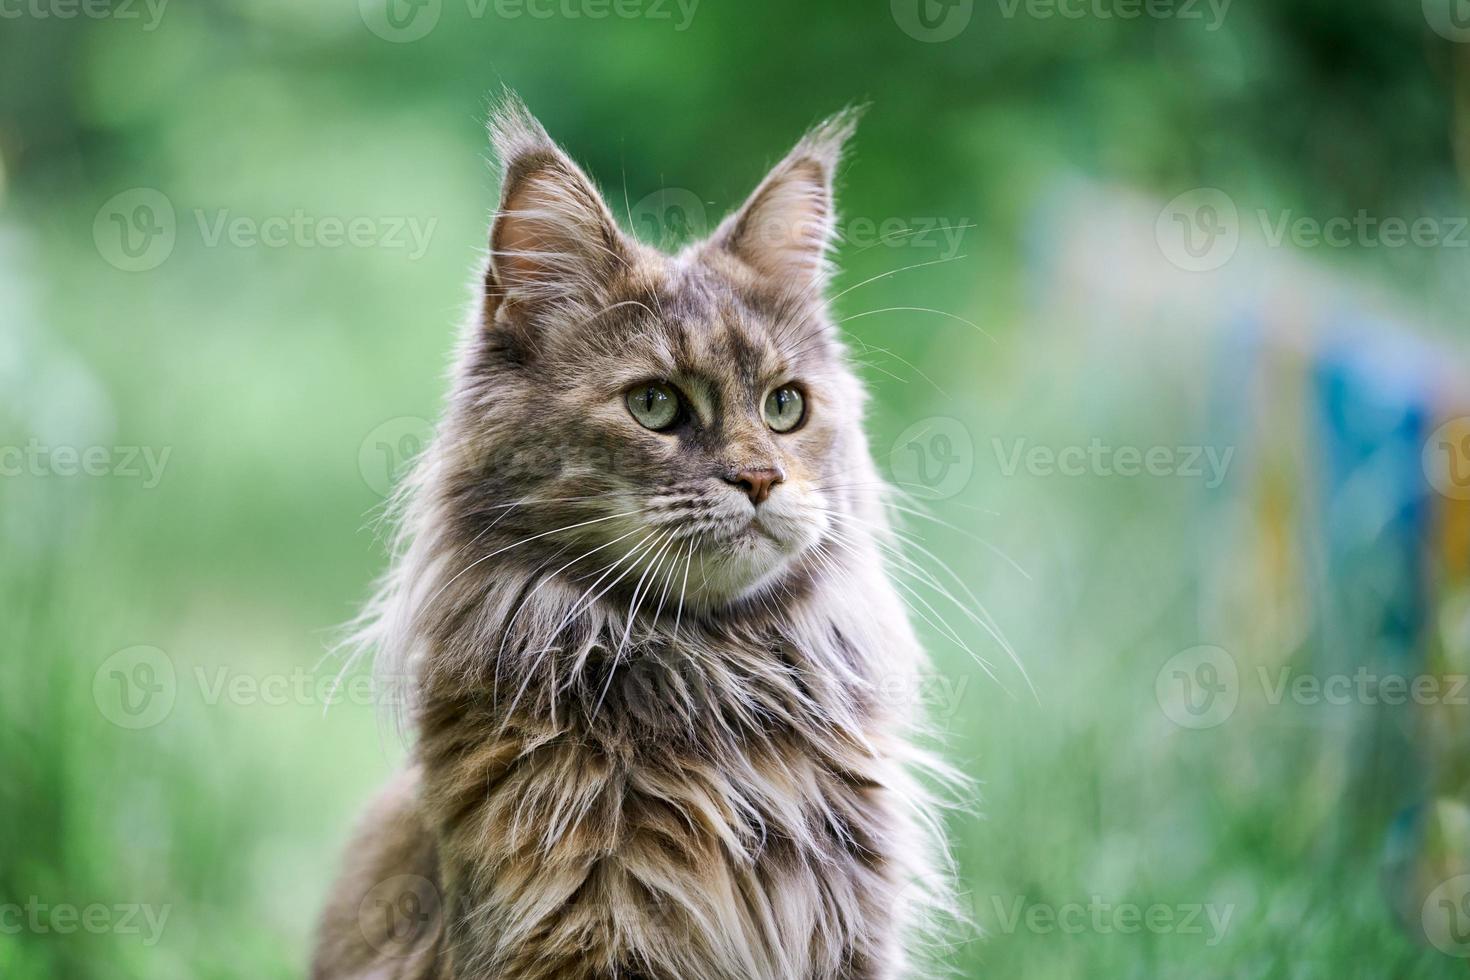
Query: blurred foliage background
[(173, 289)]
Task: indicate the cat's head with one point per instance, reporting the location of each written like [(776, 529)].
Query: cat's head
[(622, 416)]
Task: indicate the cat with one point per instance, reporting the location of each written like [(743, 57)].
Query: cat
[(640, 590)]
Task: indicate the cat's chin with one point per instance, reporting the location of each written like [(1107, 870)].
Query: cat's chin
[(741, 568)]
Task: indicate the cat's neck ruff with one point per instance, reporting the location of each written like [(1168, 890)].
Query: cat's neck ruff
[(816, 648)]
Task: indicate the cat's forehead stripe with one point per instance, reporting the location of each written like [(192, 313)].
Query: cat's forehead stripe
[(719, 328)]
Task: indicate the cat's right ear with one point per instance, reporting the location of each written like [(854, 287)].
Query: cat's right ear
[(554, 242), (788, 228)]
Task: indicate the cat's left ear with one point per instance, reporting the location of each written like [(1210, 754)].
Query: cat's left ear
[(787, 230)]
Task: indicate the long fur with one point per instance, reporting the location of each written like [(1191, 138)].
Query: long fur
[(638, 753)]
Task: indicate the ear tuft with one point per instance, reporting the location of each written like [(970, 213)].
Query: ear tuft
[(788, 227), (515, 133), (826, 141), (554, 239)]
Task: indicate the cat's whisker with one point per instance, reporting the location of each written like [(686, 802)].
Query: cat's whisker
[(909, 364), (938, 622), (633, 554), (967, 534), (526, 602), (551, 500), (889, 489), (944, 566), (577, 607), (506, 510), (669, 581), (523, 541), (688, 560), (633, 604), (893, 272), (627, 204), (882, 370), (987, 623), (907, 491), (875, 487), (922, 309)]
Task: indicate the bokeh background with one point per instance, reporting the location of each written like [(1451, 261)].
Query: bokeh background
[(1163, 308)]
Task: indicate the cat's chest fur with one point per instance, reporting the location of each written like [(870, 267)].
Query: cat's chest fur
[(682, 825)]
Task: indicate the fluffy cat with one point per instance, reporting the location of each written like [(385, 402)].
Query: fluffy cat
[(641, 595)]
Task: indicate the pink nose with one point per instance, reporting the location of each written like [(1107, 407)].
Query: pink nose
[(755, 484)]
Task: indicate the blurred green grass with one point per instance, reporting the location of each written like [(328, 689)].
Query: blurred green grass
[(264, 371)]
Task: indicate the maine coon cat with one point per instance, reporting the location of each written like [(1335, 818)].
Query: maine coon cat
[(640, 590)]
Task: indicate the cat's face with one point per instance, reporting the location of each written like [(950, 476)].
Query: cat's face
[(682, 427)]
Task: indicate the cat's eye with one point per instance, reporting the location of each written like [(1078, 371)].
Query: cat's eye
[(655, 405), (785, 408)]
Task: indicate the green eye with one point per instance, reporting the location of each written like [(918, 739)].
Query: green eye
[(655, 405), (785, 408)]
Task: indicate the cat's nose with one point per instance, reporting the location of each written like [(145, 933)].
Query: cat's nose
[(755, 484)]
